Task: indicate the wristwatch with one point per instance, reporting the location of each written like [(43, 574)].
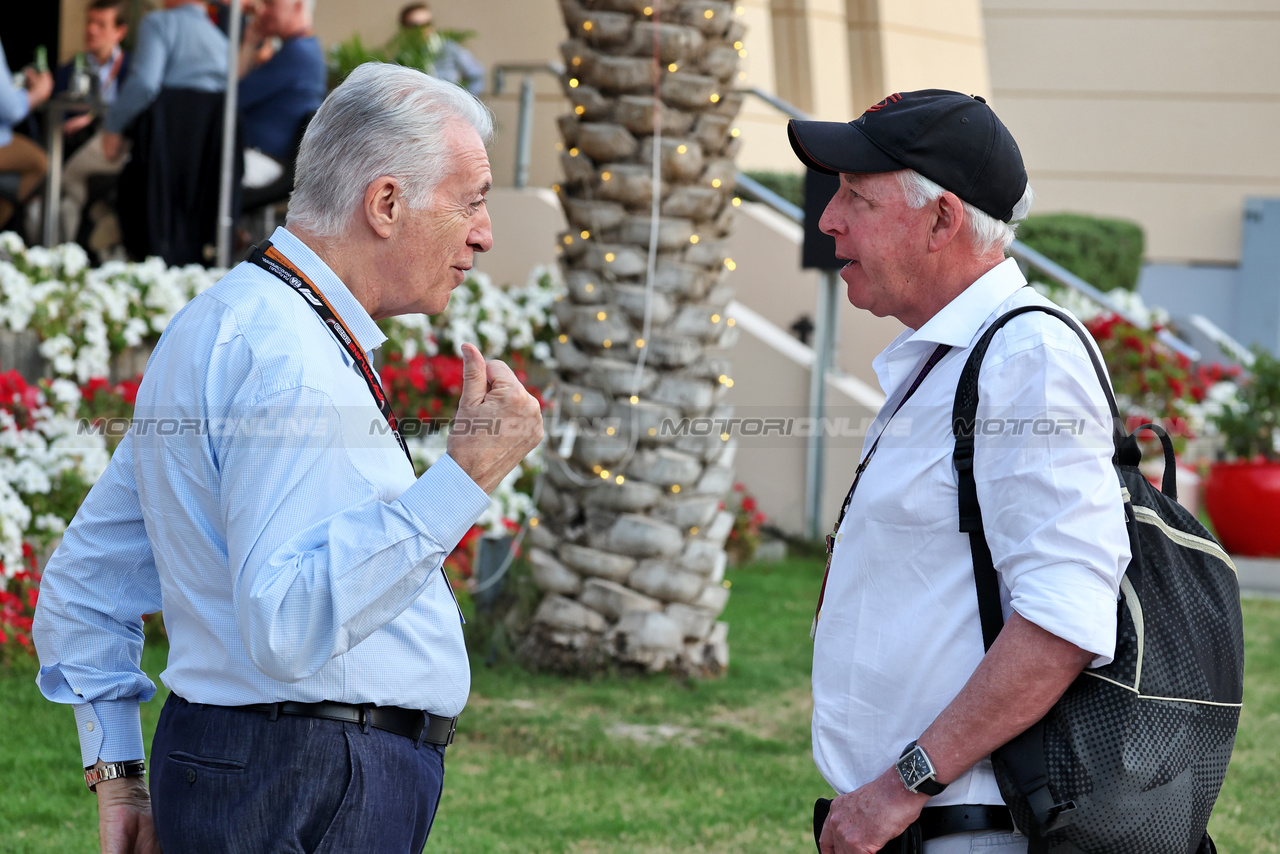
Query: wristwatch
[(95, 774), (917, 772)]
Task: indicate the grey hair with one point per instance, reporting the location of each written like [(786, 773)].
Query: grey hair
[(987, 232), (383, 120)]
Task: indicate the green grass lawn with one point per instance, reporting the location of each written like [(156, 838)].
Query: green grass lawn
[(636, 764)]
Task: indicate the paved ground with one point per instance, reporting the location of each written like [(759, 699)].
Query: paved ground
[(1259, 576)]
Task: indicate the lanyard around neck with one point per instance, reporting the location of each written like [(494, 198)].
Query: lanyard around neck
[(274, 262)]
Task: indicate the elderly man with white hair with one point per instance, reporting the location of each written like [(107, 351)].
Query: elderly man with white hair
[(265, 500), (907, 708)]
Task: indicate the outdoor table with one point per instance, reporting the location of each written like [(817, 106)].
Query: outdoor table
[(56, 109)]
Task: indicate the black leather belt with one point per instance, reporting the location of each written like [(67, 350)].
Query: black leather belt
[(406, 722), (963, 818), (933, 822)]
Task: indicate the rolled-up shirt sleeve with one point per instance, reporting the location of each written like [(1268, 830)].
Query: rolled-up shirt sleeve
[(1051, 502), (88, 624)]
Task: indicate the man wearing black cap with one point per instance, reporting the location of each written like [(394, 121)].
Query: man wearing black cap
[(907, 708)]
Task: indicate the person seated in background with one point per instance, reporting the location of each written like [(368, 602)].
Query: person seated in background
[(279, 88), (178, 48), (455, 63), (107, 63), (22, 163)]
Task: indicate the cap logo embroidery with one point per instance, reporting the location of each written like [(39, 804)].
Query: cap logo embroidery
[(892, 99)]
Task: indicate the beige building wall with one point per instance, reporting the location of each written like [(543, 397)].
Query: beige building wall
[(1163, 112)]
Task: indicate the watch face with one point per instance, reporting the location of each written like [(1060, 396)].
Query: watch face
[(914, 767)]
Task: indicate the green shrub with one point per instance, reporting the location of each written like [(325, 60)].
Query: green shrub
[(1106, 253), (789, 185)]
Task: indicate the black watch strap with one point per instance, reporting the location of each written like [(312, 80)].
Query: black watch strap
[(95, 774)]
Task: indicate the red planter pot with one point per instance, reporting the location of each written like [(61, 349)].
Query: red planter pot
[(1243, 500)]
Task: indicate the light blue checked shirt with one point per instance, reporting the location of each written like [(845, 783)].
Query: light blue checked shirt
[(260, 500)]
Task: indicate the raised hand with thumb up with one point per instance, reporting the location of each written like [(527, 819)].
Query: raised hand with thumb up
[(498, 422)]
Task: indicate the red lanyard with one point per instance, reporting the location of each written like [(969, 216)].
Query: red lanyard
[(940, 351), (270, 259)]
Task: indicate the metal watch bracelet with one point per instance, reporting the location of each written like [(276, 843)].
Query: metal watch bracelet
[(95, 774)]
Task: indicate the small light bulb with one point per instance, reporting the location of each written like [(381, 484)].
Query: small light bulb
[(675, 487), (605, 176), (579, 110), (584, 234), (736, 46), (573, 83), (743, 53), (672, 67), (708, 14), (729, 263), (693, 532), (715, 318), (586, 25), (604, 474), (620, 480), (577, 398), (735, 133), (564, 339), (533, 521), (681, 149), (573, 152), (639, 343), (715, 97), (577, 60), (601, 315), (609, 256), (588, 287), (610, 431), (732, 322), (693, 238), (607, 343), (635, 399), (568, 239), (596, 469), (737, 203), (715, 182), (648, 10), (653, 431), (724, 437), (728, 383)]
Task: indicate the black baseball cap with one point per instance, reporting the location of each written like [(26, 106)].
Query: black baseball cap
[(952, 139)]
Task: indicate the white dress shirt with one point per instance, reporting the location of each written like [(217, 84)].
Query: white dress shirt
[(899, 633), (261, 501)]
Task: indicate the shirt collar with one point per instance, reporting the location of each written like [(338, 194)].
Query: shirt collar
[(957, 323), (344, 303)]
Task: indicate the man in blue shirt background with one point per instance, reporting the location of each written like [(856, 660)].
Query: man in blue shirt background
[(178, 47), (105, 60), (278, 94), (23, 161)]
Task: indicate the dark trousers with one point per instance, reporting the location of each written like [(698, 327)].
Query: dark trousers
[(229, 780)]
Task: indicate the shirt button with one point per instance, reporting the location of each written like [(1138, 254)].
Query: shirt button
[(191, 775), (89, 726)]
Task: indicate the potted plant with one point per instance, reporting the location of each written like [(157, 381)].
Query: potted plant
[(1242, 495)]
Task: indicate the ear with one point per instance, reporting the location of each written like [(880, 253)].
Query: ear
[(383, 205), (947, 222)]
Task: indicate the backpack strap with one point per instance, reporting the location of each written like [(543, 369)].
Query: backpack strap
[(964, 414), (1023, 757)]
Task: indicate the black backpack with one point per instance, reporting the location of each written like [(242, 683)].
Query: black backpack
[(1131, 759)]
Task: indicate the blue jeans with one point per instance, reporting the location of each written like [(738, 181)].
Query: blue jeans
[(228, 780)]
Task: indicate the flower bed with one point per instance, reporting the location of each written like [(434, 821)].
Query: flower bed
[(53, 447)]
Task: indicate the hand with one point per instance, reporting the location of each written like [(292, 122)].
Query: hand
[(76, 124), (862, 821), (124, 817), (112, 145), (498, 422), (39, 86)]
